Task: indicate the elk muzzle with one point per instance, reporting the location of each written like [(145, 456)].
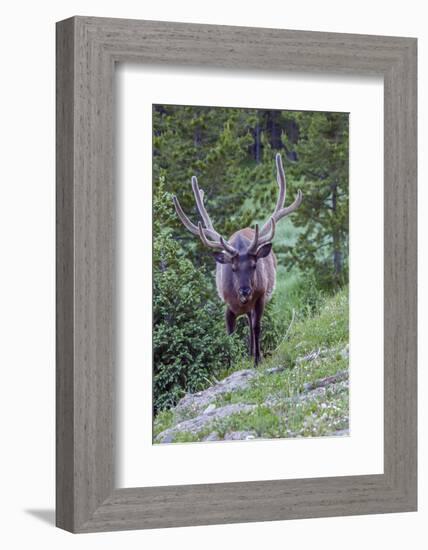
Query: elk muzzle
[(244, 294)]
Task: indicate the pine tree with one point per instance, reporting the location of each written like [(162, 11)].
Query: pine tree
[(322, 168)]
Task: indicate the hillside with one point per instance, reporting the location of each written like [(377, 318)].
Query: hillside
[(301, 390)]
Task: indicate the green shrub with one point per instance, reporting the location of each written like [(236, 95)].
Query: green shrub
[(189, 339)]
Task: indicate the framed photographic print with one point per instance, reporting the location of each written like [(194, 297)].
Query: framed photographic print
[(236, 274)]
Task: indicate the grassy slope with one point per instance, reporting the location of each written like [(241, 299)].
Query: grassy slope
[(326, 330), (323, 414)]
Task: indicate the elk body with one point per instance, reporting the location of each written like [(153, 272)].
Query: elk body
[(246, 264)]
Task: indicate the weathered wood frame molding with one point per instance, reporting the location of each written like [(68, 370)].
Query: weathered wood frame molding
[(87, 50)]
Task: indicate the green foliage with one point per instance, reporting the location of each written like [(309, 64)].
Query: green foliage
[(189, 339), (322, 171), (230, 151)]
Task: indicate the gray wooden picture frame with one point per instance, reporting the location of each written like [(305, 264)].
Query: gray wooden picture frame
[(87, 51)]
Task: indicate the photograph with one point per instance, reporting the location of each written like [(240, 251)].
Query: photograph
[(250, 274), (210, 329)]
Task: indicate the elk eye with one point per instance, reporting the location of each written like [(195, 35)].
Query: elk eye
[(254, 266)]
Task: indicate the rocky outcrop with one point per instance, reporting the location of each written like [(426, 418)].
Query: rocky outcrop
[(197, 403), (198, 423), (332, 384), (201, 412), (324, 382)]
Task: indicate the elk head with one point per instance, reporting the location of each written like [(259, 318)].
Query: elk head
[(240, 260)]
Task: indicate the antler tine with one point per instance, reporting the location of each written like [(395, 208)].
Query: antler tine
[(209, 244), (228, 247), (185, 220), (207, 232), (293, 206), (258, 240), (280, 212), (255, 242), (282, 183), (217, 245), (199, 195), (269, 237), (188, 224)]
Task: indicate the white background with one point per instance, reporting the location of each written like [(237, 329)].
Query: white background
[(216, 462), (27, 285)]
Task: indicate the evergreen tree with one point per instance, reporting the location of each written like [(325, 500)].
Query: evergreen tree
[(322, 168)]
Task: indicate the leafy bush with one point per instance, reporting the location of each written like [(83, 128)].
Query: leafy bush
[(189, 339)]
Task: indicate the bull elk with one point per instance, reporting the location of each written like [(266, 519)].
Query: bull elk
[(246, 264)]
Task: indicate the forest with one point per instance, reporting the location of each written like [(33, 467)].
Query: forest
[(232, 153)]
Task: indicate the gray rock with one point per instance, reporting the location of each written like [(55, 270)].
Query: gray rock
[(274, 400), (313, 390), (213, 436), (323, 382), (168, 438), (340, 433), (274, 370), (345, 352), (194, 404), (210, 408), (310, 356), (324, 352), (240, 436), (195, 425)]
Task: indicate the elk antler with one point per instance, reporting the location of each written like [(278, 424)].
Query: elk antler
[(221, 244), (199, 198), (280, 212), (207, 232)]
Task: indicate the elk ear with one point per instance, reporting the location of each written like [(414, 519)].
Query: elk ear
[(264, 251), (222, 258)]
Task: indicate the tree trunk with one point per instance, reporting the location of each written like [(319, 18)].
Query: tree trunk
[(197, 137), (257, 145), (337, 253)]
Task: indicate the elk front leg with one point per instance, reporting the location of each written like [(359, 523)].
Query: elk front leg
[(257, 326), (230, 321), (251, 335)]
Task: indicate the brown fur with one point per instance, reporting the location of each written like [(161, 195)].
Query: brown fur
[(261, 280)]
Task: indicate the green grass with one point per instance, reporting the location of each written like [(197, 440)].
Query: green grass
[(312, 418), (326, 329), (163, 420)]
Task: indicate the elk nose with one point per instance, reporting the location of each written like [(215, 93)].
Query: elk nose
[(244, 291)]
